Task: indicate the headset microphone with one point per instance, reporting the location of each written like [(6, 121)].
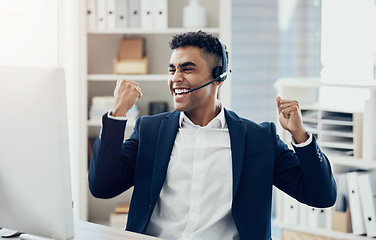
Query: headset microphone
[(219, 73), (210, 82)]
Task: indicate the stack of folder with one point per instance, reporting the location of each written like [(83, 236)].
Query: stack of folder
[(296, 213), (354, 211), (362, 199), (119, 14)]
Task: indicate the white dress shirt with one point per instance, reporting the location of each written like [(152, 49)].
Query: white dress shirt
[(195, 200)]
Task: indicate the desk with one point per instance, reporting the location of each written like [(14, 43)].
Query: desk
[(91, 231)]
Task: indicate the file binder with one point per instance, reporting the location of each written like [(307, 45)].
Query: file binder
[(303, 215), (290, 210), (356, 211), (161, 14), (316, 217), (91, 14), (101, 19), (134, 14), (367, 188), (147, 14), (111, 14), (122, 13)]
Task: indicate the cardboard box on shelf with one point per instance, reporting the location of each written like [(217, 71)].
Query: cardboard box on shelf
[(341, 221), (122, 208), (131, 48), (131, 57), (131, 66)]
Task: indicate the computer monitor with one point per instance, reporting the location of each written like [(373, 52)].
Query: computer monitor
[(35, 184)]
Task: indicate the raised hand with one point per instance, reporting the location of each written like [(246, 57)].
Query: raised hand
[(290, 118), (126, 94)]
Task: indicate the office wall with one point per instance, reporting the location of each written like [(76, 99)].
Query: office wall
[(271, 39)]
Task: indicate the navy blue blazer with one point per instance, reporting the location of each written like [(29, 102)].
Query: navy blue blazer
[(259, 160)]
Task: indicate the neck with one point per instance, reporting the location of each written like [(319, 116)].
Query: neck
[(203, 116)]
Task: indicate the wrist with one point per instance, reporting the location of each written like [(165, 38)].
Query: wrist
[(300, 136), (118, 112)]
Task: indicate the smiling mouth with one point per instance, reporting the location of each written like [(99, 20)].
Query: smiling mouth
[(181, 91)]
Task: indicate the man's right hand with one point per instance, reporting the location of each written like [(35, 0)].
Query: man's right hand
[(126, 94)]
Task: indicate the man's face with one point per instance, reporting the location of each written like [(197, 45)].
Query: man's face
[(188, 69)]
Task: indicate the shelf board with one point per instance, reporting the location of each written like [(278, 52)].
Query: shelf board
[(337, 122), (313, 107), (352, 162), (132, 77), (307, 82), (310, 120), (368, 84), (150, 31), (337, 144), (337, 133), (320, 231)]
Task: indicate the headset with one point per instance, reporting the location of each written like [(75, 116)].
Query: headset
[(219, 72)]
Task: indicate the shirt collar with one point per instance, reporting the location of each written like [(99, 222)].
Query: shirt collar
[(218, 122)]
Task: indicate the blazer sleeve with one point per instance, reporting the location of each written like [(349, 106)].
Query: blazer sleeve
[(111, 169), (305, 174)]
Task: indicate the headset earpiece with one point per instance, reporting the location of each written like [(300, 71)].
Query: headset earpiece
[(217, 71)]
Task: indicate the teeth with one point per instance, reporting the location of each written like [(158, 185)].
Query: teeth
[(181, 90)]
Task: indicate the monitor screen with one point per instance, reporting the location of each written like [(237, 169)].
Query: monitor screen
[(35, 184)]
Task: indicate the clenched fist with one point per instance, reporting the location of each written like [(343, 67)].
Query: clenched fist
[(291, 119), (126, 94)]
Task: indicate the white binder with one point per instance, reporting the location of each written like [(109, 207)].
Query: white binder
[(147, 14), (122, 13), (160, 14), (134, 14), (101, 18), (367, 188), (356, 211), (111, 14), (290, 210), (91, 14), (316, 217), (303, 215)]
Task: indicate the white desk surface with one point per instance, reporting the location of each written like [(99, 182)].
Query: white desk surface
[(91, 231)]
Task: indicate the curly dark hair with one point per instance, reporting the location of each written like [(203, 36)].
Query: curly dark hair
[(208, 42)]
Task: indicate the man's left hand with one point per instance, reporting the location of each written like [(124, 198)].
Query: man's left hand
[(290, 118)]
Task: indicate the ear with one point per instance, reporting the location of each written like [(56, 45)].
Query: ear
[(218, 83)]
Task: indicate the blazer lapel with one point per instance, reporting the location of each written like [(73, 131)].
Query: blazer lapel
[(165, 142), (236, 130)]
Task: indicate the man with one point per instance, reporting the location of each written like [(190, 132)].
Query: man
[(202, 172)]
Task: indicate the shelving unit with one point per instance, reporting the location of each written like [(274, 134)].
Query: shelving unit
[(133, 77), (102, 45), (337, 132), (213, 30), (347, 135), (320, 232)]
